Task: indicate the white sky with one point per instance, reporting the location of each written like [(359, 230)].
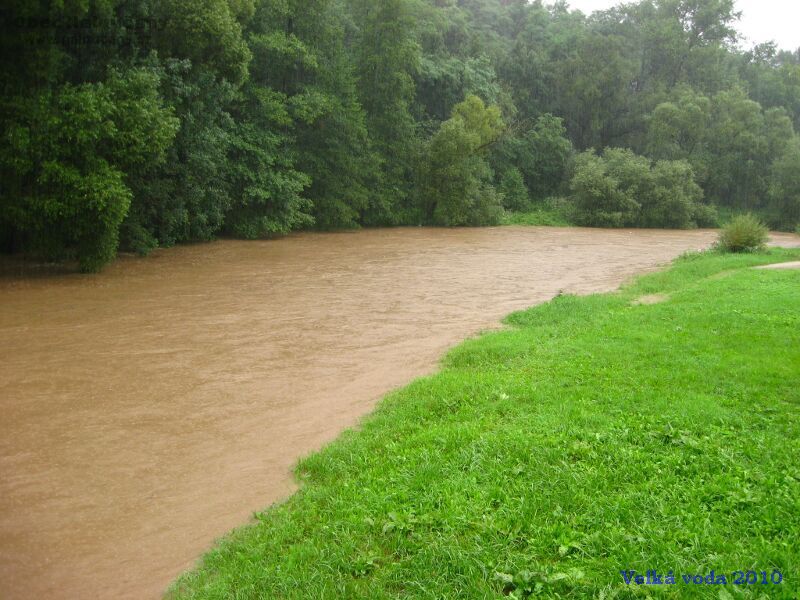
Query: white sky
[(762, 20)]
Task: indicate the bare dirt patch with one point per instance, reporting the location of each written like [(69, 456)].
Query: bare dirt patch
[(781, 266), (650, 299)]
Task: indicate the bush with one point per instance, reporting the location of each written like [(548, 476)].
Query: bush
[(621, 189), (552, 212), (744, 233), (706, 215), (515, 194), (600, 200), (673, 197)]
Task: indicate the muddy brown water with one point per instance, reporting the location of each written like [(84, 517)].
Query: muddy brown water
[(151, 408)]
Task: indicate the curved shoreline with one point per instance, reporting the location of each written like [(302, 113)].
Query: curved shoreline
[(152, 408)]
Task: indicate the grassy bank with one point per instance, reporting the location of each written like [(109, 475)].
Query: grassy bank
[(549, 214), (594, 435)]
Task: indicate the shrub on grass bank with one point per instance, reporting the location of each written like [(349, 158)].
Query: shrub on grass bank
[(744, 233)]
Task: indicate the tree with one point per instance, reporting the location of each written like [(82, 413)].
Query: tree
[(64, 159), (456, 179), (693, 37), (673, 199), (207, 33), (267, 116), (387, 57), (334, 148), (592, 88), (784, 190), (729, 140), (743, 143), (186, 197), (544, 156)]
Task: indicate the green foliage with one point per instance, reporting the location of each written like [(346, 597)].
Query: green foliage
[(677, 129), (593, 89), (207, 33), (542, 154), (547, 153), (744, 233), (483, 122), (267, 192), (186, 197), (267, 188), (784, 191), (772, 76), (63, 158), (336, 149), (599, 198), (456, 186), (738, 150), (553, 212), (621, 189), (706, 215), (387, 57), (673, 198), (512, 187), (268, 116), (443, 80)]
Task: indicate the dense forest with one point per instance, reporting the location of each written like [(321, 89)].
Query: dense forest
[(134, 124)]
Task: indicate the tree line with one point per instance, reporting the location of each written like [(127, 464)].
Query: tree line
[(134, 124)]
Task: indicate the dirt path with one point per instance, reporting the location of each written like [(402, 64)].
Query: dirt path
[(152, 408), (781, 266)]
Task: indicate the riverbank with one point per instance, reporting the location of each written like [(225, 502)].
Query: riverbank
[(595, 434), (155, 406)]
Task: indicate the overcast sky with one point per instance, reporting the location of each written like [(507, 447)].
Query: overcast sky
[(762, 20)]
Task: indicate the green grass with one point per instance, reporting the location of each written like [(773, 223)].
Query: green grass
[(592, 435), (545, 215)]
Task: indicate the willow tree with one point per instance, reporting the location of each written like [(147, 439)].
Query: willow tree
[(456, 183)]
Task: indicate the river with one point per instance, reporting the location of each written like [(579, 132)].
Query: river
[(149, 409)]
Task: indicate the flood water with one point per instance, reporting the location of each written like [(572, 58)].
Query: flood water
[(151, 408)]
